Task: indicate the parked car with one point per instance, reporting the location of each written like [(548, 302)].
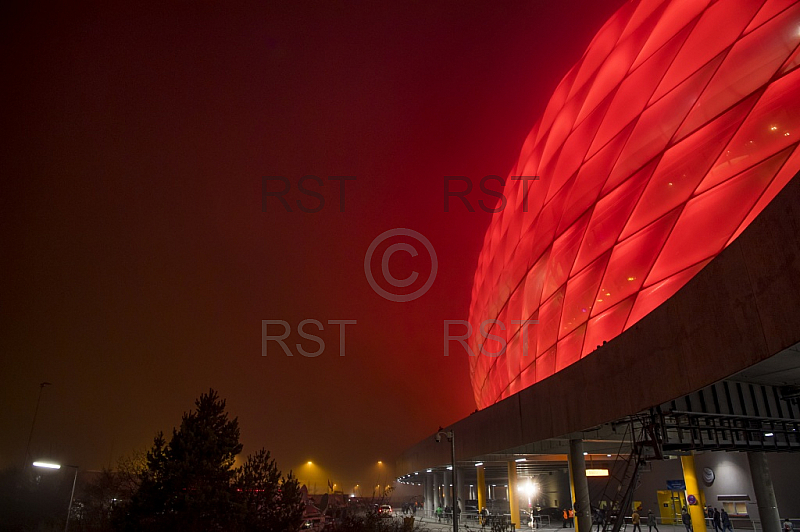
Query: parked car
[(385, 510)]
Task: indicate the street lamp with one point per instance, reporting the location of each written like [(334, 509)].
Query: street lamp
[(381, 477), (51, 465), (452, 439), (311, 471), (33, 424), (532, 489)]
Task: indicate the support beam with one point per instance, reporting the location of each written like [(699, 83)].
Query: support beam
[(481, 487), (692, 488), (579, 487), (426, 493), (437, 481), (458, 476), (448, 479), (765, 493), (513, 494)]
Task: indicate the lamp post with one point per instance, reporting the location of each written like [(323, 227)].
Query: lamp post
[(50, 465), (451, 438), (532, 489), (33, 423)]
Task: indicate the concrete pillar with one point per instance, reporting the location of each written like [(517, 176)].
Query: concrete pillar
[(448, 479), (692, 488), (481, 486), (426, 493), (459, 482), (579, 487), (513, 494), (765, 493), (437, 482)]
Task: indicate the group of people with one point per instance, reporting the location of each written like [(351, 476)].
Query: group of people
[(720, 520), (599, 519), (410, 508), (446, 512), (569, 518), (636, 520)]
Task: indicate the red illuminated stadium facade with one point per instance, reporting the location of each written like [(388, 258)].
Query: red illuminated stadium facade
[(676, 128), (658, 254)]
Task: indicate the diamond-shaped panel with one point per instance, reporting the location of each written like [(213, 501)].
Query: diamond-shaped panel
[(675, 129)]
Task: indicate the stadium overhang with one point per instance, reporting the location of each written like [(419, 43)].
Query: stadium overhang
[(739, 317)]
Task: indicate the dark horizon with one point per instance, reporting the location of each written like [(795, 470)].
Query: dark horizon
[(141, 254)]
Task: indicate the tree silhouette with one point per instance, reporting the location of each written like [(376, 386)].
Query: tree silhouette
[(267, 501), (186, 482), (189, 484)]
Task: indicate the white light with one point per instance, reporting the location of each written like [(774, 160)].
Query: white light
[(449, 468), (531, 488), (47, 465), (608, 455), (521, 460), (768, 434), (478, 464), (417, 473), (428, 470), (584, 454), (597, 472)]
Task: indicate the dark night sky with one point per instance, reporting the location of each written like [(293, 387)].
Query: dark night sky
[(137, 263)]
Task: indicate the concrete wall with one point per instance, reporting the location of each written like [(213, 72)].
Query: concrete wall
[(742, 308), (785, 472), (554, 489), (732, 478)]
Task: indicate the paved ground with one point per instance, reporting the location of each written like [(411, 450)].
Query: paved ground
[(473, 526)]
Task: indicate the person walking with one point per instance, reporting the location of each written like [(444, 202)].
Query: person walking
[(717, 520), (651, 521), (565, 513), (600, 518), (439, 512), (726, 521), (686, 519), (635, 518)]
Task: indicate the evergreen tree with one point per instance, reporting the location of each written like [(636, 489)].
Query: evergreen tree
[(266, 501), (186, 484), (189, 484)]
